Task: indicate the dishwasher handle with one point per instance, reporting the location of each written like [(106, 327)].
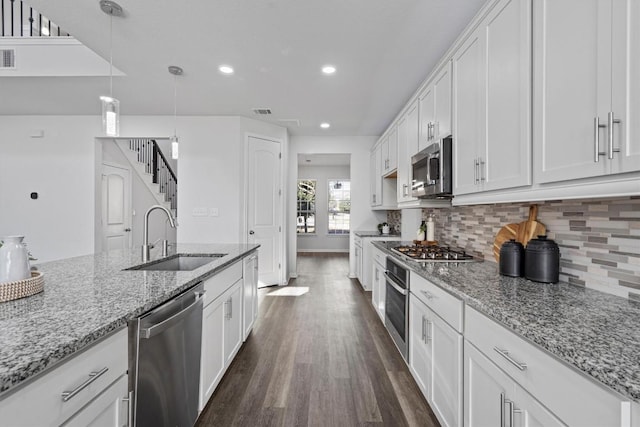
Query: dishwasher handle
[(154, 330)]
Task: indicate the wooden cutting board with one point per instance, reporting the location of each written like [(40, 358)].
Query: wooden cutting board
[(521, 232)]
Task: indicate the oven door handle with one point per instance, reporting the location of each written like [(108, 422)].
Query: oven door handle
[(395, 284)]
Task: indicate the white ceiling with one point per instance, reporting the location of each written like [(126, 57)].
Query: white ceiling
[(382, 49)]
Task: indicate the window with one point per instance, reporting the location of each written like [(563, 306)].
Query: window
[(339, 206), (306, 222)]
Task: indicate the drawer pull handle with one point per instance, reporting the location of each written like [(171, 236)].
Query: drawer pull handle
[(505, 354), (429, 295), (68, 395)]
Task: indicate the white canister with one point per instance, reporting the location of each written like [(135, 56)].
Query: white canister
[(385, 229), (431, 229), (14, 259)]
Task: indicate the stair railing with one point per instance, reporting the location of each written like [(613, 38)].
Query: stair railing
[(156, 164), (18, 19)]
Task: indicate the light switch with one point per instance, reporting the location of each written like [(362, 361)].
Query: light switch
[(214, 212), (199, 212)]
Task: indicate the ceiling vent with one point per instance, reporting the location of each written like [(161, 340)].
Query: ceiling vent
[(289, 122), (7, 58), (261, 111)]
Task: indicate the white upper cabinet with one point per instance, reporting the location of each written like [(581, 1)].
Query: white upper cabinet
[(435, 108), (492, 98), (408, 135), (586, 86)]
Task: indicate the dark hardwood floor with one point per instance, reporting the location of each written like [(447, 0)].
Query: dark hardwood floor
[(318, 359)]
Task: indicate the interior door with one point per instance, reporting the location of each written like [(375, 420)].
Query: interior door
[(264, 207), (116, 213)]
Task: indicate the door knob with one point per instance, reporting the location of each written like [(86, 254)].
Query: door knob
[(127, 230), (252, 232)]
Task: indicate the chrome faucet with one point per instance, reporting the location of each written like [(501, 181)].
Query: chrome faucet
[(145, 237)]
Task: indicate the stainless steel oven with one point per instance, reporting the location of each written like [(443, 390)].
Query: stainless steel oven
[(397, 305), (432, 171)]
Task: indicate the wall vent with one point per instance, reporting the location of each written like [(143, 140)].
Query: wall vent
[(261, 111), (7, 58)]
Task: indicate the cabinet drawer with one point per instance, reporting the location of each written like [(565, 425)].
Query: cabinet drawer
[(216, 285), (40, 402), (379, 256), (440, 301), (575, 399)]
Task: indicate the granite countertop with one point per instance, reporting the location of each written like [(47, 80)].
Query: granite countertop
[(597, 333), (366, 233), (86, 298)]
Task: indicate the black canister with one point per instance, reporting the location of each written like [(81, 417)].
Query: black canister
[(512, 259), (542, 260)]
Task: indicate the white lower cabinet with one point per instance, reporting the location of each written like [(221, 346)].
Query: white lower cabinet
[(493, 399), (435, 360), (541, 380), (221, 338), (379, 290), (109, 409), (89, 389), (249, 294)]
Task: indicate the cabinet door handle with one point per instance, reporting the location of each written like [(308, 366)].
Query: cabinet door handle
[(596, 140), (475, 171), (504, 353), (230, 308), (68, 395), (405, 190), (482, 169), (428, 334), (129, 400), (611, 121), (502, 399), (512, 411), (424, 333)]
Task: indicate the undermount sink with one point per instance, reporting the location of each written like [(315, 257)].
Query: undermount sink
[(178, 262)]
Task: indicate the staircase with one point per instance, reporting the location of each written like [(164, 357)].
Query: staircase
[(147, 159), (18, 19)]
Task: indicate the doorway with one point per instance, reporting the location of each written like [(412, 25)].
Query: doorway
[(323, 203), (116, 202), (264, 207)]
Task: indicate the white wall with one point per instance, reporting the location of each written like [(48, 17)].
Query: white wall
[(60, 167), (321, 241), (63, 167), (362, 217)]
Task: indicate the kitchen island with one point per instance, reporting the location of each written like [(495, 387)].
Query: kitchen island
[(87, 298), (584, 336)]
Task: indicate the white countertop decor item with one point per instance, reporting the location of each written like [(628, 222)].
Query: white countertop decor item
[(14, 259)]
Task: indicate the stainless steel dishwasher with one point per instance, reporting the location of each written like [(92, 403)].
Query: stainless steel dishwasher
[(165, 348)]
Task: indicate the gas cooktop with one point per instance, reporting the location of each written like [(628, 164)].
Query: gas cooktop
[(431, 253)]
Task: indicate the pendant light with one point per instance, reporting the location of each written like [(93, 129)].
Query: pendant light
[(176, 71), (110, 105)]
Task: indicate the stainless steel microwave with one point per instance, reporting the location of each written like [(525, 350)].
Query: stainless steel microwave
[(432, 173)]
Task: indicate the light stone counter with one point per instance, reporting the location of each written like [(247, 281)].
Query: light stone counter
[(86, 298), (597, 333)]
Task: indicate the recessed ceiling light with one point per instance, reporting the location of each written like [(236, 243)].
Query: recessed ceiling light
[(325, 125), (328, 69), (225, 69)]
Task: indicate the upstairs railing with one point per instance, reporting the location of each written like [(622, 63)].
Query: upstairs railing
[(18, 19), (150, 155)]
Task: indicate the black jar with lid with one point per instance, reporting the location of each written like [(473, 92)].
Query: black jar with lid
[(542, 260), (512, 259)]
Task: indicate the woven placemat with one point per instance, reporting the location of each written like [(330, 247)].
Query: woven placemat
[(22, 288)]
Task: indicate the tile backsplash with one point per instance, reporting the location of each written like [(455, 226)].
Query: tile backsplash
[(599, 239)]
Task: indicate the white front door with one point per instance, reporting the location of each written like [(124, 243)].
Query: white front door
[(264, 207), (116, 214)]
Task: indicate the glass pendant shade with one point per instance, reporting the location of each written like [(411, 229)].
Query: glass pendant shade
[(110, 116), (174, 147)]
